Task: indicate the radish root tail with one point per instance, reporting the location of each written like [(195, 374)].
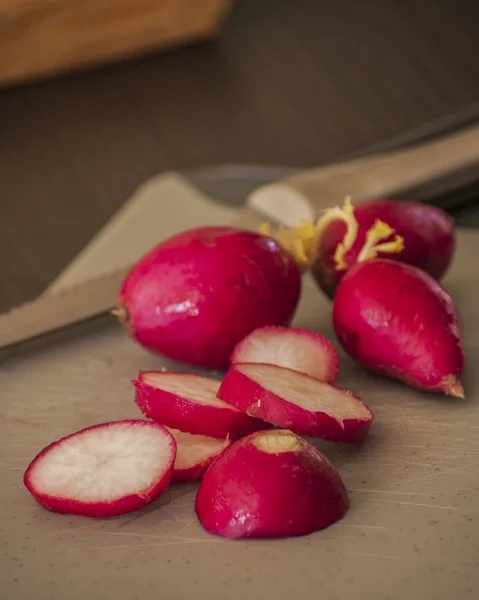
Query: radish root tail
[(122, 314), (452, 387)]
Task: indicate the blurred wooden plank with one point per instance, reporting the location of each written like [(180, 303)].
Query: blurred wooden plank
[(46, 37)]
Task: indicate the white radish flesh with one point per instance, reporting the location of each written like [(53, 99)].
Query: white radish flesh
[(293, 400), (188, 402), (298, 349), (104, 470), (194, 454)]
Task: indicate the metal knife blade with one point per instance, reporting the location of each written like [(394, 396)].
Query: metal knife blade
[(51, 312), (82, 301)]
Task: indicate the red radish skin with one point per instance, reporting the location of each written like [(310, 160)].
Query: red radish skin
[(194, 455), (189, 403), (293, 400), (397, 321), (195, 296), (427, 233), (298, 349), (103, 471), (271, 484)]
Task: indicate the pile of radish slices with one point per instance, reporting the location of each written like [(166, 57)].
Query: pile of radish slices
[(223, 298), (243, 432)]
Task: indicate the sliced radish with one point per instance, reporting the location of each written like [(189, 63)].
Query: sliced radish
[(105, 470), (270, 484), (188, 402), (298, 349), (295, 401), (194, 454)]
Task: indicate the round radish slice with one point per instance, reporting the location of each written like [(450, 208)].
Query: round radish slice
[(270, 484), (194, 454), (188, 402), (103, 471), (298, 349), (295, 401)]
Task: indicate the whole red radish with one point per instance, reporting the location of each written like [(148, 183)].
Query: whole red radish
[(410, 232), (196, 295), (103, 471), (194, 454), (189, 403), (271, 484), (398, 321), (298, 349), (292, 400)]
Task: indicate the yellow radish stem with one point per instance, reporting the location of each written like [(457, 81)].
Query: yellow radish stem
[(303, 241), (380, 231)]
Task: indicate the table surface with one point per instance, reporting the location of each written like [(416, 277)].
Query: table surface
[(288, 83)]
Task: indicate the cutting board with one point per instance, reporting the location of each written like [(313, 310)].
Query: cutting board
[(412, 530)]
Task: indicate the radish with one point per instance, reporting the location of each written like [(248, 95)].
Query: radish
[(293, 400), (105, 470), (409, 232), (194, 454), (298, 349), (271, 484), (196, 295), (398, 321), (188, 402)]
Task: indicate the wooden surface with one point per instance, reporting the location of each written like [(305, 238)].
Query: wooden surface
[(288, 82), (46, 37)]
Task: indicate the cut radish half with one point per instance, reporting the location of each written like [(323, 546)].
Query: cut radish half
[(298, 349), (188, 402), (194, 454), (295, 401), (270, 484), (105, 470)]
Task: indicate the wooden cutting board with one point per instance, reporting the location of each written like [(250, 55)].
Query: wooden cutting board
[(412, 530)]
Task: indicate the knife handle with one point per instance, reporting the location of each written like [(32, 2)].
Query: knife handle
[(303, 195)]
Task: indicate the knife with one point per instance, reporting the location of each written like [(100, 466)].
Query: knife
[(301, 195)]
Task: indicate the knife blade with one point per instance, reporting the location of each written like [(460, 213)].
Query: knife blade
[(89, 286), (51, 312), (303, 195)]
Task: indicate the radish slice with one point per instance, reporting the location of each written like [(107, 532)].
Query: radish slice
[(270, 484), (105, 470), (298, 349), (188, 402), (194, 454), (295, 401)]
